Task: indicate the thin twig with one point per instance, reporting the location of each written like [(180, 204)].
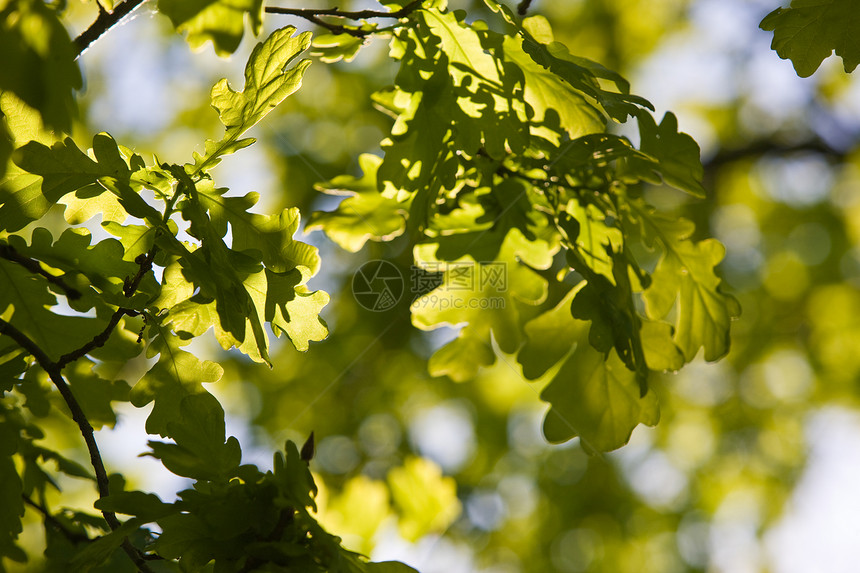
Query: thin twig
[(72, 536), (102, 24), (313, 15), (523, 7), (769, 147), (56, 376), (98, 341), (9, 253), (129, 288)]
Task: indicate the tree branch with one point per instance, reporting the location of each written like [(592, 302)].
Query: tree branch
[(313, 15), (759, 148), (523, 7), (9, 253), (128, 289), (99, 340), (86, 429), (102, 24)]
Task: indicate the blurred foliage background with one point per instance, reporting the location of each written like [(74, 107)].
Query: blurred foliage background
[(751, 465)]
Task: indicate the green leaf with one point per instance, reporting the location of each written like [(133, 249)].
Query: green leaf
[(685, 273), (5, 145), (13, 363), (677, 155), (268, 82), (145, 506), (176, 375), (85, 266), (389, 567), (550, 336), (174, 288), (201, 450), (547, 92), (612, 312), (236, 282), (426, 500), (136, 240), (461, 358), (461, 46), (331, 48), (39, 61), (95, 394), (486, 274), (65, 169), (364, 214), (658, 344), (36, 389), (89, 201), (267, 238), (245, 294), (294, 478), (292, 309), (810, 30), (11, 503), (598, 236), (25, 302), (185, 535), (100, 550), (65, 465), (222, 21), (581, 74), (596, 397)]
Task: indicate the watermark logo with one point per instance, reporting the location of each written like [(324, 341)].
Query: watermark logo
[(377, 285)]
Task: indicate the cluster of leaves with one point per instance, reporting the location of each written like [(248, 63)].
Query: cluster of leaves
[(501, 154), (119, 309)]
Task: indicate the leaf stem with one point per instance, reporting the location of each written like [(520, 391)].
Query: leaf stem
[(102, 24)]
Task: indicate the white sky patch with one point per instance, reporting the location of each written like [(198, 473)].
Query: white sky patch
[(444, 434), (121, 449), (430, 554), (820, 531)]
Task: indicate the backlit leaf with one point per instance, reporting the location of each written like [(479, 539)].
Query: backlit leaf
[(201, 451), (596, 398), (685, 273), (364, 214), (221, 21), (426, 499), (267, 83), (177, 374), (39, 62), (810, 30)]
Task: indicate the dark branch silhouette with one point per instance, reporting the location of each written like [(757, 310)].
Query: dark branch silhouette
[(131, 284), (86, 429), (72, 536), (54, 371), (102, 24), (10, 254), (764, 147), (315, 16)]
